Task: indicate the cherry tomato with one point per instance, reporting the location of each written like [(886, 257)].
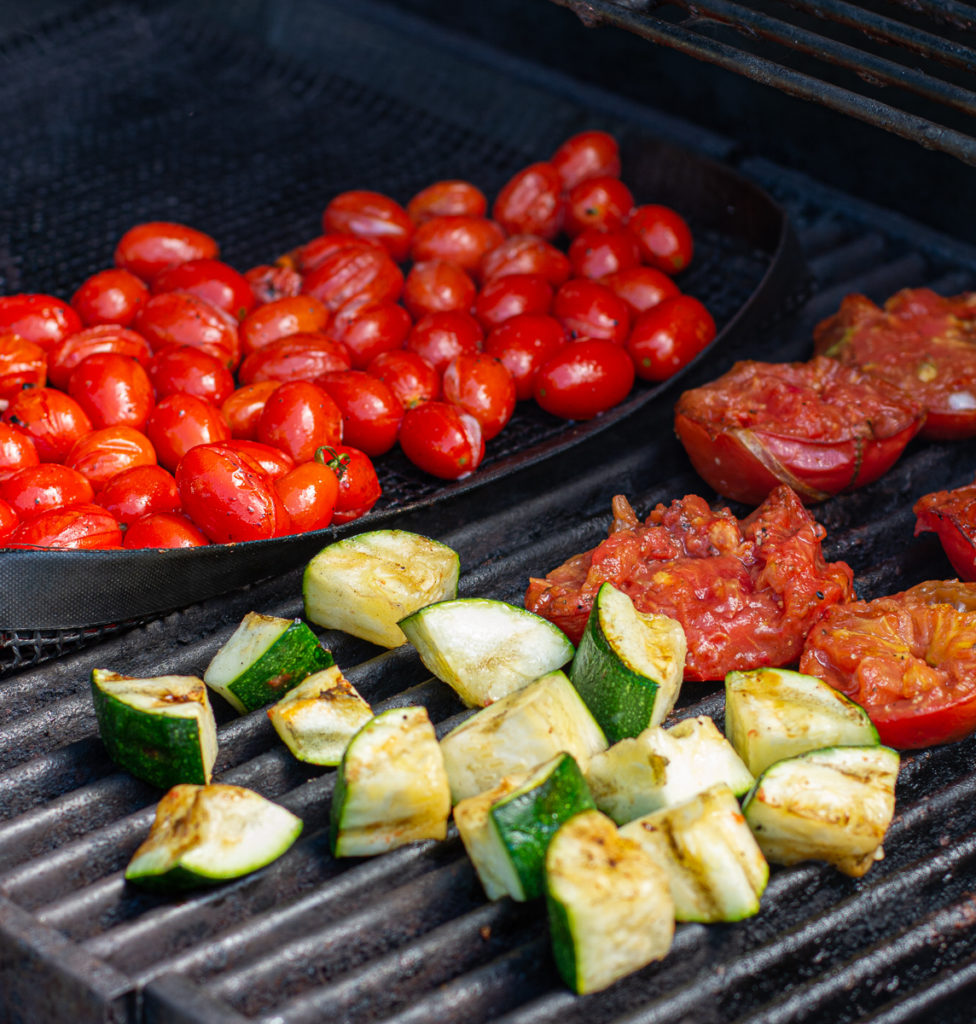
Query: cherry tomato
[(371, 412), (52, 420), (588, 154), (23, 364), (364, 275), (270, 282), (217, 282), (439, 337), (269, 459), (79, 527), (951, 515), (371, 215), (179, 318), (299, 418), (664, 237), (179, 422), (526, 254), (442, 439), (48, 485), (588, 309), (192, 371), (9, 520), (482, 386), (17, 450), (583, 379), (42, 319), (594, 253), (359, 486), (666, 337), (111, 296), (522, 344), (148, 248), (138, 492), (449, 198), (641, 287), (243, 408), (163, 530), (603, 203), (312, 254), (101, 454), (367, 331), (408, 375), (437, 286), (294, 314), (113, 389), (309, 493), (511, 295), (459, 239), (295, 357), (228, 497), (67, 354), (531, 202)]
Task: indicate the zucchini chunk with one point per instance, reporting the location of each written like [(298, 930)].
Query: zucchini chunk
[(364, 585), (207, 834), (519, 732), (263, 658), (160, 729), (833, 805), (610, 906), (507, 829), (391, 787), (629, 665), (485, 649), (714, 865), (318, 717), (775, 713), (663, 767)]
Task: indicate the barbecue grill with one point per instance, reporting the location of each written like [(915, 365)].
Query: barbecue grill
[(242, 119)]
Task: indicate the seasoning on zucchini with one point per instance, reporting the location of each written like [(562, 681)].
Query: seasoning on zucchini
[(263, 658), (775, 713), (391, 787), (629, 665), (833, 805), (317, 718), (610, 906), (506, 830), (714, 865), (208, 834), (485, 649), (160, 729), (663, 767), (364, 585), (519, 732)]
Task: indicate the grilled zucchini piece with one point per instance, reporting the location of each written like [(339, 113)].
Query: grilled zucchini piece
[(364, 585), (391, 787), (507, 829), (714, 865), (263, 658), (775, 713), (833, 805), (160, 729), (610, 906), (318, 717), (629, 665), (519, 732), (207, 834)]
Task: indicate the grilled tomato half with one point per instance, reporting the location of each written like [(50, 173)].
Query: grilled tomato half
[(951, 515)]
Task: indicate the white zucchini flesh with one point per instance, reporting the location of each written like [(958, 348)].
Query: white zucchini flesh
[(485, 649)]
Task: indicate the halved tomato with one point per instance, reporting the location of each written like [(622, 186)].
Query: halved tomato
[(951, 515)]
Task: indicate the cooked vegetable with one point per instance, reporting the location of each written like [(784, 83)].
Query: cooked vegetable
[(391, 787), (629, 664), (507, 829), (485, 649), (364, 585), (833, 805), (263, 658), (951, 515), (207, 834), (610, 906), (714, 865), (318, 717), (160, 729)]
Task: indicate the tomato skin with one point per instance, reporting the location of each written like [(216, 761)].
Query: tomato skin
[(449, 198), (408, 375), (439, 337), (48, 485), (371, 215), (583, 379), (113, 389), (52, 419), (459, 239), (9, 520), (951, 515), (270, 282), (588, 309), (101, 454), (482, 386), (531, 202), (147, 248), (367, 332), (217, 282), (111, 296), (299, 418), (269, 459), (371, 412), (359, 486), (180, 318), (192, 371), (40, 318), (437, 286), (79, 527), (641, 287), (139, 491), (180, 422), (587, 154), (295, 357), (23, 364), (522, 344), (603, 203), (65, 356), (442, 439), (595, 254), (309, 493), (512, 295), (526, 254), (294, 314), (243, 408), (17, 450), (666, 337), (163, 530), (364, 275), (664, 237)]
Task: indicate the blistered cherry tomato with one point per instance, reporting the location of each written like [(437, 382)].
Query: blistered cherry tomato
[(295, 357), (664, 237), (588, 309), (641, 287), (408, 375), (366, 332), (482, 386), (217, 282), (243, 408), (270, 282), (179, 422), (459, 239), (78, 527), (271, 460), (148, 248), (603, 203), (595, 253), (588, 154), (449, 198), (101, 454), (668, 336), (48, 485), (309, 493), (439, 337), (139, 491), (192, 371), (437, 286), (299, 418), (364, 275), (163, 530), (52, 420), (42, 319), (511, 295), (179, 318), (584, 378), (371, 215), (359, 486), (442, 439), (23, 364), (67, 354), (531, 202), (526, 254), (371, 412), (111, 296), (523, 344), (311, 255), (113, 389), (9, 520), (294, 314), (17, 450)]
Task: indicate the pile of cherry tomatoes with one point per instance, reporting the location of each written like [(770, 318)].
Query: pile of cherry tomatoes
[(174, 401)]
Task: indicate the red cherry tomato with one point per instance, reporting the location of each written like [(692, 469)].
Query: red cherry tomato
[(603, 203), (138, 492), (664, 237), (9, 520), (180, 422), (17, 450), (271, 460), (67, 354), (113, 389), (311, 255), (439, 337), (299, 418), (243, 408), (309, 493), (359, 486), (217, 282), (584, 378), (511, 295), (294, 314), (163, 530), (148, 248), (666, 337), (42, 319), (295, 357), (531, 202), (526, 254), (482, 386), (371, 412), (459, 239), (228, 497), (449, 198), (951, 515), (179, 318), (101, 454), (437, 286), (192, 371), (408, 375), (588, 154), (111, 296), (364, 275), (23, 364), (442, 439), (80, 527), (371, 215), (641, 287), (523, 344), (48, 485), (588, 309), (270, 282), (594, 253), (366, 332), (52, 420)]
